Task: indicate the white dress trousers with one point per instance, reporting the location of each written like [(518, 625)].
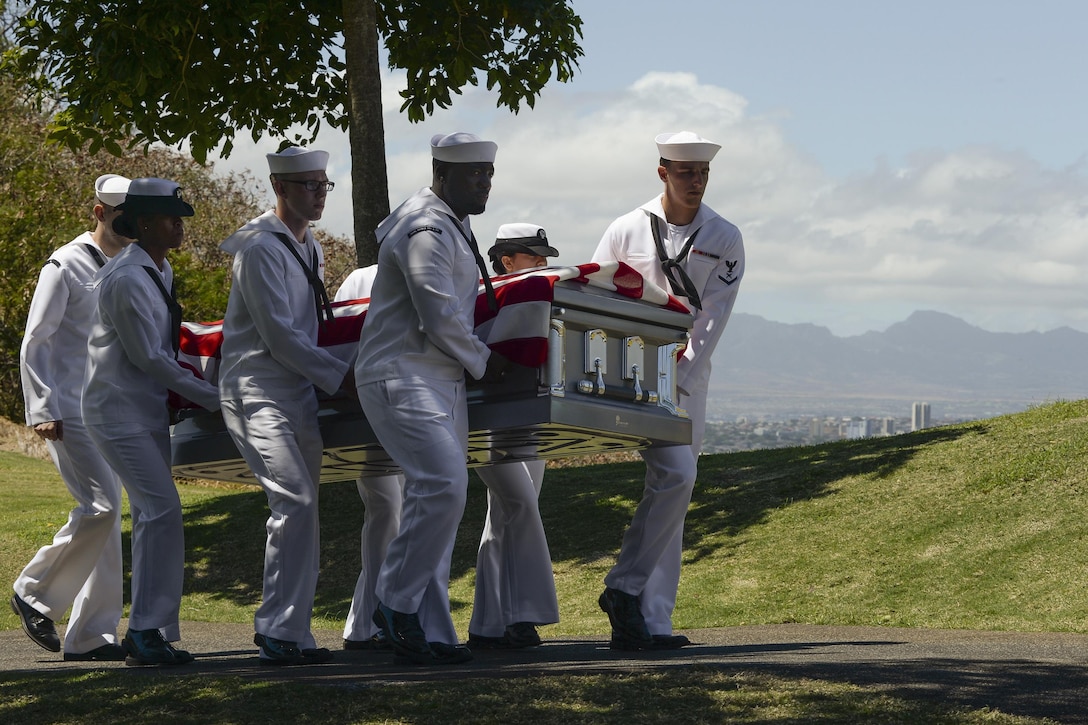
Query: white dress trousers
[(422, 423), (81, 568), (283, 448), (381, 496), (141, 457), (383, 499), (514, 578), (652, 548)]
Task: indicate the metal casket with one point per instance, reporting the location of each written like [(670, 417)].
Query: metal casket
[(608, 384)]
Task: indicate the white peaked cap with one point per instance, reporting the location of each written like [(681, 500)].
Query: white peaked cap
[(520, 231), (685, 146), (295, 160), (463, 148), (110, 189), (524, 237), (153, 195)]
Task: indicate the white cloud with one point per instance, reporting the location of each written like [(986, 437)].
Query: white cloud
[(986, 234)]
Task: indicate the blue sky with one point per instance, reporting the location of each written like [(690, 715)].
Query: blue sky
[(851, 81), (880, 157)]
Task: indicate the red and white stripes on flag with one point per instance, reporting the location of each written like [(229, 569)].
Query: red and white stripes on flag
[(518, 329)]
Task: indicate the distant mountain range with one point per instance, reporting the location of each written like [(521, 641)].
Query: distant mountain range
[(776, 369)]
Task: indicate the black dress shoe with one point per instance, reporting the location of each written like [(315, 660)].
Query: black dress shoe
[(522, 634), (670, 641), (316, 656), (377, 642), (405, 635), (277, 652), (516, 636), (37, 626), (105, 653), (147, 648), (480, 641), (450, 654), (629, 631)]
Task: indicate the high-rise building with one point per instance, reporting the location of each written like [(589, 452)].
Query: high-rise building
[(919, 416), (859, 428)]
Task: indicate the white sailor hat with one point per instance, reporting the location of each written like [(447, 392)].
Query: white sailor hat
[(110, 189), (463, 148), (685, 146), (295, 160), (522, 237)]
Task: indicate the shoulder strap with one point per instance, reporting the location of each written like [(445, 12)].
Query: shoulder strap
[(172, 305), (321, 295), (91, 250), (679, 281)]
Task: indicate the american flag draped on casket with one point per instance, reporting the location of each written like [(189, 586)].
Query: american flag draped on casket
[(598, 346)]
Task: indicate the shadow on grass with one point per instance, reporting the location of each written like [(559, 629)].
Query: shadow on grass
[(727, 686), (735, 492), (225, 538), (1014, 687), (585, 511)]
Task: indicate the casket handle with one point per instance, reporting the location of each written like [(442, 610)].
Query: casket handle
[(617, 392)]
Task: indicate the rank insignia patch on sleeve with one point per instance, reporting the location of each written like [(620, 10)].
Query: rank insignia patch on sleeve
[(730, 276)]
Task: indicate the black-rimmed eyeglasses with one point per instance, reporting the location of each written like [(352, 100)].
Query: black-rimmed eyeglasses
[(312, 185)]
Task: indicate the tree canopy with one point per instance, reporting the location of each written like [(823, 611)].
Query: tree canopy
[(130, 73), (46, 195)]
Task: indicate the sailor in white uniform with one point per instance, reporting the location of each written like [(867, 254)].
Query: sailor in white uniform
[(131, 366), (515, 585), (81, 568), (271, 365), (681, 244), (382, 496), (414, 351)]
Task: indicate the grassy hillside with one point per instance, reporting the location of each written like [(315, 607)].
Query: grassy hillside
[(976, 526), (980, 525)]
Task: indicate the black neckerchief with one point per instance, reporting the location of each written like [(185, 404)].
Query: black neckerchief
[(679, 281), (492, 304), (321, 295), (172, 305), (95, 254), (91, 250)]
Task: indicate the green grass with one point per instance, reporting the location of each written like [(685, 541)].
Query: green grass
[(976, 526), (695, 696)]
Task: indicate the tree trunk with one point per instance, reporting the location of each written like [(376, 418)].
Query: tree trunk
[(366, 130)]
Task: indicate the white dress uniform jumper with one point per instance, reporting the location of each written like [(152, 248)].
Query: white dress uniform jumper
[(382, 497), (130, 368), (514, 580), (648, 565), (81, 568), (270, 365), (414, 350)]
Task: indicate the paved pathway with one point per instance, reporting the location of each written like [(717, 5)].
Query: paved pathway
[(1032, 674)]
